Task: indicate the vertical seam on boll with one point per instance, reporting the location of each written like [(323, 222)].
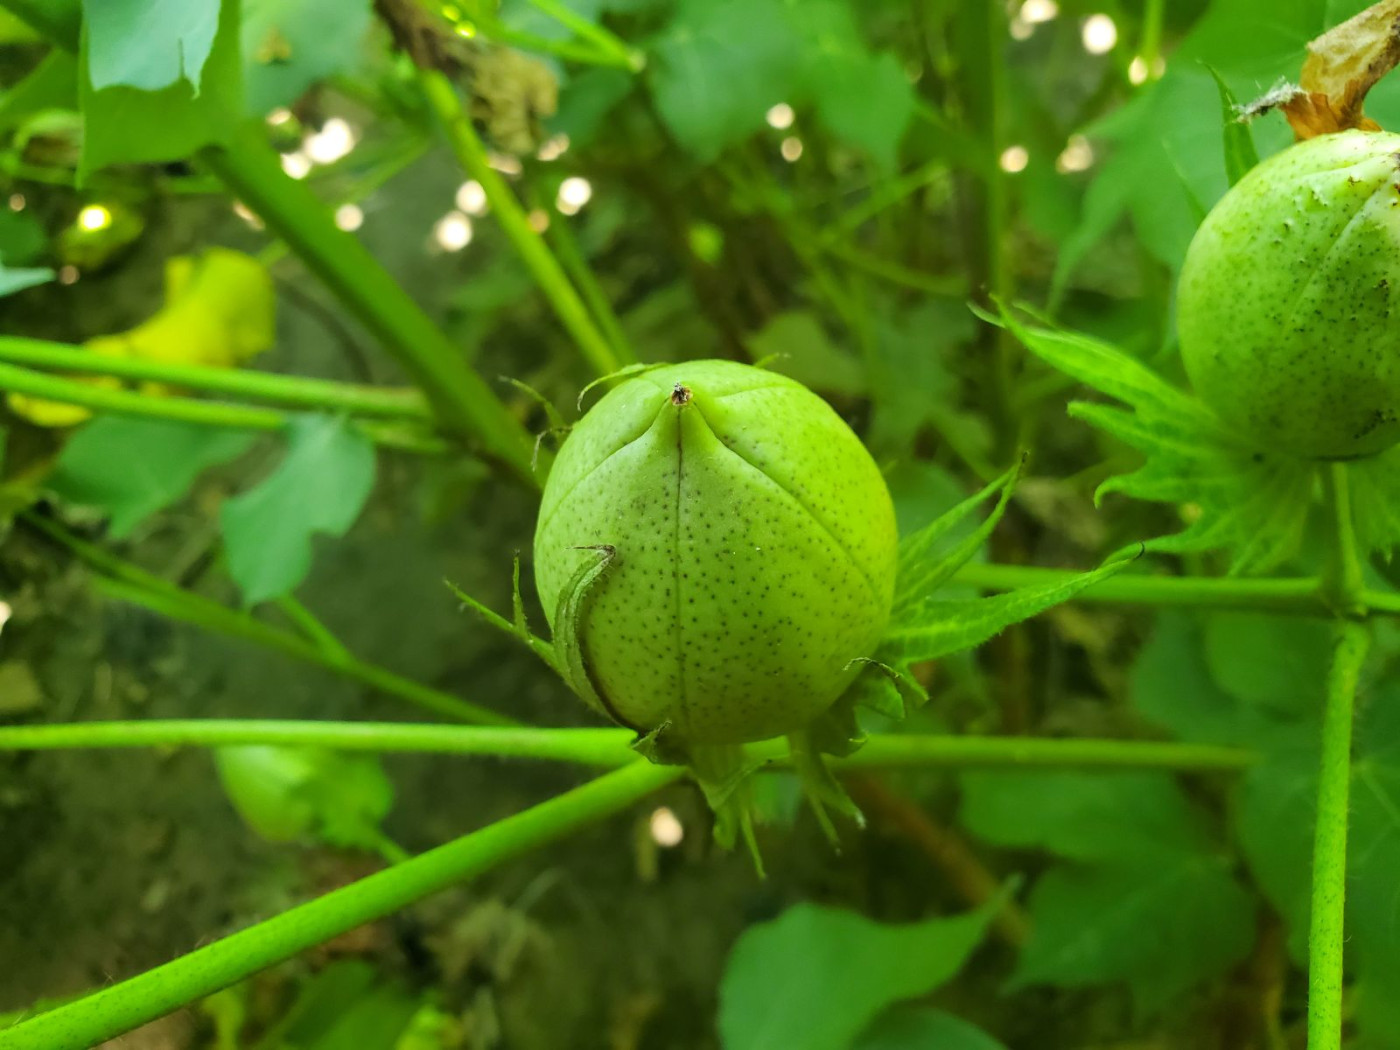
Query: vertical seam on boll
[(676, 567)]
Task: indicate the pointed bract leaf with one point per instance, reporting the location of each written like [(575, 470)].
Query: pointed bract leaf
[(937, 628), (923, 569), (1251, 501)]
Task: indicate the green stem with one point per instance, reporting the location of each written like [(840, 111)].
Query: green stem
[(289, 391), (126, 582), (605, 748), (183, 409), (584, 53), (565, 246), (128, 1004), (310, 627), (883, 195), (463, 400), (543, 266), (593, 33), (612, 747), (1296, 597), (1327, 931), (1153, 15)]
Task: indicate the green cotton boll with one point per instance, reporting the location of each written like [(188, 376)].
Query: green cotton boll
[(1285, 308), (754, 555)]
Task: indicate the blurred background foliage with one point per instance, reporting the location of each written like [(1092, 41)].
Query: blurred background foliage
[(822, 185)]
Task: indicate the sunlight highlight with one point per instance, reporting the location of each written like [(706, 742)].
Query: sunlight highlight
[(666, 828), (349, 217), (297, 165), (574, 193), (453, 231), (791, 148), (1077, 155), (471, 198), (335, 140), (1099, 34), (94, 217), (1014, 159), (553, 148), (780, 116)]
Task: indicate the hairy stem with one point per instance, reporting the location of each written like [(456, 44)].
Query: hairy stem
[(612, 747), (133, 1002), (533, 251), (1326, 934)]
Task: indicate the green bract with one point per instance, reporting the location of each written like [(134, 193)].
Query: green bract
[(751, 552), (1286, 298)]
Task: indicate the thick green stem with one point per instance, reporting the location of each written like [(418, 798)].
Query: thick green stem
[(612, 747), (543, 266), (1326, 935), (290, 391), (128, 1004), (126, 582)]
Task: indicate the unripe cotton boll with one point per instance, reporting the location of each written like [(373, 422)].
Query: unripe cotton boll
[(752, 552), (1286, 307)]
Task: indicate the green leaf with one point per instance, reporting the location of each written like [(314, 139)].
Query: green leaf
[(920, 1028), (801, 348), (1248, 500), (863, 99), (813, 978), (289, 45), (1240, 154), (1276, 663), (1172, 685), (12, 280), (1143, 898), (131, 468), (1082, 816), (23, 239), (320, 486), (126, 125), (149, 44), (718, 68), (586, 101), (289, 794), (911, 384), (1162, 927), (1161, 129)]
